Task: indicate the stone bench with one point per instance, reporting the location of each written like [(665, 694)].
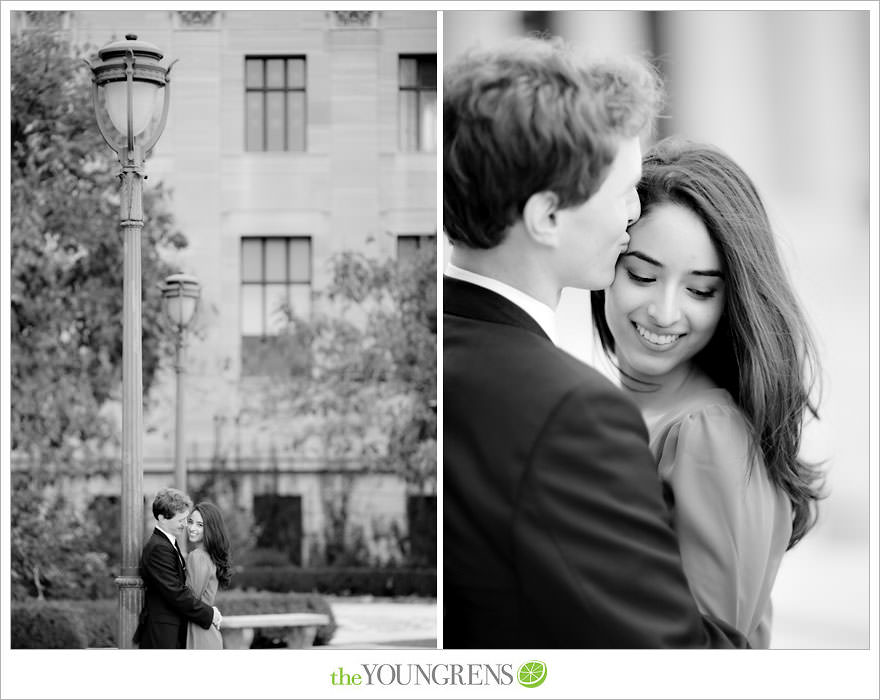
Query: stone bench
[(300, 628)]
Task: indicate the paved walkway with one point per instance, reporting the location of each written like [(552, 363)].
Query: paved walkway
[(377, 623)]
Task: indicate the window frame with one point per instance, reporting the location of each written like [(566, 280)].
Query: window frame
[(265, 343), (418, 89), (264, 283), (284, 90), (420, 239)]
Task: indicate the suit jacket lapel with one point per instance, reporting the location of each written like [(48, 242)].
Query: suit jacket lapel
[(164, 538), (179, 555), (472, 301)]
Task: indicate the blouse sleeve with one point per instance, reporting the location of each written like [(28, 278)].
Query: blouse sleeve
[(198, 571), (727, 516)]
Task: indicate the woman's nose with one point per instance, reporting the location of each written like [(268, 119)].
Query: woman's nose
[(665, 310)]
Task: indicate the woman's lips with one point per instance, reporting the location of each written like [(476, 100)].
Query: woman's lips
[(657, 340)]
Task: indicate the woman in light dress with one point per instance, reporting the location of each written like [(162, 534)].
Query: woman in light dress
[(207, 568), (711, 344)]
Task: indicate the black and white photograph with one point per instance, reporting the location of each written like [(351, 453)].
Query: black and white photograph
[(223, 329), (439, 349), (656, 265)]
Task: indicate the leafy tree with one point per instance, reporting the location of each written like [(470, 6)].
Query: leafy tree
[(67, 251), (55, 552), (362, 371), (66, 305)]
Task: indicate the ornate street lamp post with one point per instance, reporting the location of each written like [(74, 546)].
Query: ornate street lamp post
[(126, 80), (181, 295)]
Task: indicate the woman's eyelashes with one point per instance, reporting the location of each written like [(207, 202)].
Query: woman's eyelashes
[(638, 278), (698, 293)]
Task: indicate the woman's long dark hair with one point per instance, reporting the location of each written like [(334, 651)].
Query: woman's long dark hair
[(762, 351), (216, 541)]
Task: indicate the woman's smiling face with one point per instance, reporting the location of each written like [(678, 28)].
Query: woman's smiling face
[(667, 296), (195, 528)]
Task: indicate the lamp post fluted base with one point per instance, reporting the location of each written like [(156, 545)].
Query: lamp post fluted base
[(131, 600)]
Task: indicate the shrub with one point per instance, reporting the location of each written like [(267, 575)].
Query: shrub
[(100, 617), (54, 549), (44, 625), (262, 556), (97, 618), (340, 581)]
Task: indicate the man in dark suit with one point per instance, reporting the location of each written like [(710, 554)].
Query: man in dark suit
[(556, 534), (168, 603)]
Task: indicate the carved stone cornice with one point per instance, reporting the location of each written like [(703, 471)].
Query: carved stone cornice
[(353, 19), (200, 18)]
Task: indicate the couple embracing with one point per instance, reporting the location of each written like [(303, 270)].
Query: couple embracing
[(179, 611), (578, 513)]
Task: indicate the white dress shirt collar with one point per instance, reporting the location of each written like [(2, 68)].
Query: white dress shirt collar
[(170, 537), (543, 315)]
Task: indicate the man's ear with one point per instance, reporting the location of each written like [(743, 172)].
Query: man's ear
[(540, 218)]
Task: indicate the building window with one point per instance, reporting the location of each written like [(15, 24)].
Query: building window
[(409, 247), (421, 516), (416, 265), (278, 521), (276, 277), (275, 103), (417, 103)]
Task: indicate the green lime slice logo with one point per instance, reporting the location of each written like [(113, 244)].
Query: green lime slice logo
[(532, 673)]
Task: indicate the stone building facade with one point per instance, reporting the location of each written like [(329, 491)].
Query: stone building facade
[(292, 136)]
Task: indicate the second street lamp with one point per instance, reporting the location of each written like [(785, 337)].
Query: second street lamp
[(181, 296), (127, 79)]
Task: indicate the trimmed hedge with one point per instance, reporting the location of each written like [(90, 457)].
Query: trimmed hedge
[(100, 619), (77, 624), (47, 625), (340, 581)]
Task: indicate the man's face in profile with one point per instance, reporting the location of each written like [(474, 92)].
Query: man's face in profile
[(174, 525), (593, 234)]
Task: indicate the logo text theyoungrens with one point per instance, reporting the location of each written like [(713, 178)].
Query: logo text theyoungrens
[(425, 674)]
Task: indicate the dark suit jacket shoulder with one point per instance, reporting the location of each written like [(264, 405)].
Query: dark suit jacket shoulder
[(555, 529)]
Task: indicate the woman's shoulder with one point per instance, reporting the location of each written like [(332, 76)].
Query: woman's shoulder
[(709, 431), (711, 409), (717, 421), (716, 407), (709, 455), (199, 556)]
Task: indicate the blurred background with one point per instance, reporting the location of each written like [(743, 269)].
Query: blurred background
[(785, 93)]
